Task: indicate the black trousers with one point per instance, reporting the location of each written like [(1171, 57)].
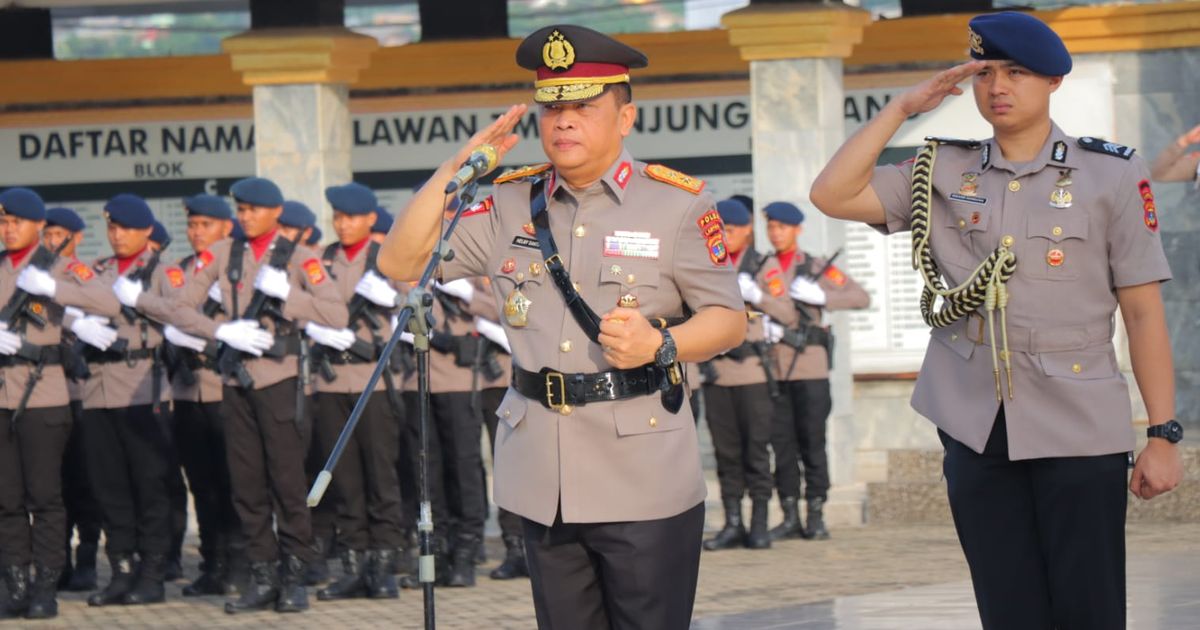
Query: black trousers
[(1044, 538), (127, 457), (83, 513), (200, 440), (324, 515), (455, 487), (177, 490), (490, 399), (31, 486), (597, 576), (739, 419), (368, 493), (798, 436), (266, 448)]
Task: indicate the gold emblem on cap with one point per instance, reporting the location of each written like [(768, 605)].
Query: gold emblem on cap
[(975, 41), (558, 53)]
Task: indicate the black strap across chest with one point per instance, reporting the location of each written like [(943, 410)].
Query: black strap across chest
[(587, 319)]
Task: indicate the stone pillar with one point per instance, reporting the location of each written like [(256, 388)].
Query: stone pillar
[(302, 128), (795, 53)]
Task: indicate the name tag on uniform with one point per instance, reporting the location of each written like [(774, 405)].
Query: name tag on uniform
[(969, 199), (631, 245), (526, 242)]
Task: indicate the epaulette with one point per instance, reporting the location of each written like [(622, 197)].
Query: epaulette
[(674, 178), (81, 271), (521, 173), (1110, 148), (955, 142)]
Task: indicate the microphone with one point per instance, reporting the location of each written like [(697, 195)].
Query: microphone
[(479, 163)]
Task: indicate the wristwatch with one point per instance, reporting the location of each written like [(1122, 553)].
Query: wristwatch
[(665, 356), (1170, 431)]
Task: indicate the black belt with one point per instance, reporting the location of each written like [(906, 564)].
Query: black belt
[(93, 355), (30, 354), (349, 358), (556, 389)]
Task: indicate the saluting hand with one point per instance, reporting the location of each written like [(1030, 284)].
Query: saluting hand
[(930, 93), (1159, 468), (627, 338), (498, 134)]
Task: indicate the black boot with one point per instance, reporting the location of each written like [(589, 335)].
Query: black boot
[(172, 568), (816, 521), (16, 585), (212, 580), (43, 603), (119, 584), (514, 565), (791, 527), (462, 571), (239, 579), (734, 532), (381, 582), (317, 571), (353, 581), (260, 592), (148, 588), (293, 597), (758, 538), (83, 576), (405, 565)]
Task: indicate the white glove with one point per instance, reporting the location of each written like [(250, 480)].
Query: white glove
[(461, 289), (214, 292), (376, 289), (807, 291), (273, 282), (9, 342), (408, 338), (94, 331), (337, 338), (245, 335), (493, 331), (72, 312), (751, 292), (182, 339), (774, 332), (127, 291), (37, 282)]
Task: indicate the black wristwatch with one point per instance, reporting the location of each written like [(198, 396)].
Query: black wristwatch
[(1170, 431), (665, 356)]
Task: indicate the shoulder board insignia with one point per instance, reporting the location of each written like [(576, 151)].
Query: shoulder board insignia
[(955, 142), (483, 207), (81, 271), (674, 178), (1149, 211), (175, 276), (521, 173), (203, 260), (1102, 146), (315, 272)]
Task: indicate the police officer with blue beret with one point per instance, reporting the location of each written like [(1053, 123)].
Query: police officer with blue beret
[(1031, 239), (297, 218), (383, 223)]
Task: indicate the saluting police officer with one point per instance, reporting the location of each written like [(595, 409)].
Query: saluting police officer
[(803, 352), (596, 450), (64, 233), (265, 441), (1050, 234), (196, 391), (128, 450), (740, 396), (367, 492), (35, 420)]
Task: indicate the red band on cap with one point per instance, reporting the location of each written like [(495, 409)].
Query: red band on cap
[(583, 70)]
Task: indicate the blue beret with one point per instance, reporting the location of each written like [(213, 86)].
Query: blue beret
[(733, 212), (315, 237), (237, 233), (131, 211), (208, 206), (257, 191), (65, 218), (353, 198), (159, 234), (24, 203), (746, 200), (383, 221), (784, 212), (296, 214), (1021, 38)]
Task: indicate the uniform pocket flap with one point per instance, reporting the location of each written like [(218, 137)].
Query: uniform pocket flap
[(512, 409), (629, 275), (1079, 365), (1057, 225), (641, 418), (955, 338), (967, 218)]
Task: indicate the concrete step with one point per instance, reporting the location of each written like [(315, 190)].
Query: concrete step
[(907, 503)]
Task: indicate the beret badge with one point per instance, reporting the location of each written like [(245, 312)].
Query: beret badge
[(975, 41)]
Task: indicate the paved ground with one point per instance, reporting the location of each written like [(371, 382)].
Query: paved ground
[(867, 577)]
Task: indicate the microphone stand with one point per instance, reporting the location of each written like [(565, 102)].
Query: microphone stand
[(417, 318)]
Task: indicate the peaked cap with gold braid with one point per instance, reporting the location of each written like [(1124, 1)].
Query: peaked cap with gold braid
[(575, 63)]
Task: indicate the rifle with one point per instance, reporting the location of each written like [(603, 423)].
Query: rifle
[(230, 359), (752, 264), (19, 305), (798, 339), (143, 275)]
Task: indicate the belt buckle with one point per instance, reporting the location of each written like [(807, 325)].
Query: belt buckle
[(551, 377), (674, 374), (554, 260)]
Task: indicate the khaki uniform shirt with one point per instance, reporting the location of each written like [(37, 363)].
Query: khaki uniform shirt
[(208, 386), (121, 384), (841, 292), (628, 460), (749, 370), (1069, 397), (313, 297), (78, 287)]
